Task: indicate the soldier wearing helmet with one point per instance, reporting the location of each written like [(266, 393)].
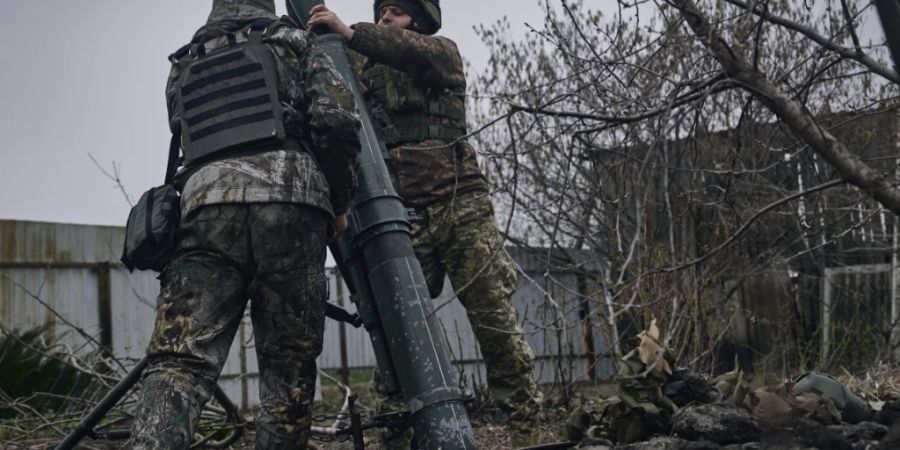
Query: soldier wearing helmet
[(269, 134), (416, 89)]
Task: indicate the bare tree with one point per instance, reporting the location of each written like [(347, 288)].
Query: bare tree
[(700, 149)]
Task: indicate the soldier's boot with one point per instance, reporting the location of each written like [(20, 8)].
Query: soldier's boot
[(391, 439), (519, 397), (521, 436), (167, 412), (515, 391)]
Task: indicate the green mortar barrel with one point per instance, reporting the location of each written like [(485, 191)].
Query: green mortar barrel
[(389, 289)]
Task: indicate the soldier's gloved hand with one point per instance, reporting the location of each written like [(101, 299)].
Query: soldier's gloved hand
[(340, 225), (321, 15)]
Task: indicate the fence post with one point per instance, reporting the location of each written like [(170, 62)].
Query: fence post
[(587, 326), (895, 269), (827, 299), (104, 304), (895, 295)]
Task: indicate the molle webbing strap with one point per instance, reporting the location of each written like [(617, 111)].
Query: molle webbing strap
[(441, 109), (404, 120), (173, 163), (377, 81), (419, 127), (229, 97)]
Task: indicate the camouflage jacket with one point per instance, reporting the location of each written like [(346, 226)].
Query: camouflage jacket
[(316, 103), (431, 169)]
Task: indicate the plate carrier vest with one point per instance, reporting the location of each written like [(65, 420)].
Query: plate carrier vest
[(228, 98), (409, 112)]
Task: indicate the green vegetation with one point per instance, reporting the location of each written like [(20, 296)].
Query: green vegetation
[(361, 383), (36, 375)]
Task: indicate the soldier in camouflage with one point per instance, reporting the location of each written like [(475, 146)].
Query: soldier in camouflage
[(255, 225), (416, 87)]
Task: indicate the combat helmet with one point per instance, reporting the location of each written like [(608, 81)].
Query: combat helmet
[(426, 14)]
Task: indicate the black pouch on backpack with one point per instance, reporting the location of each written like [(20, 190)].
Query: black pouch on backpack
[(153, 222)]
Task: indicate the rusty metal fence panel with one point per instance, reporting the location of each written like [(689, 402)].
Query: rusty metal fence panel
[(65, 276)]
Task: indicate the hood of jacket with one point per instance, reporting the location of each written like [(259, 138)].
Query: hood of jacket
[(240, 10), (232, 15)]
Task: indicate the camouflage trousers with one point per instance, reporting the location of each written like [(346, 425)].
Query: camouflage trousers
[(271, 253), (459, 239)]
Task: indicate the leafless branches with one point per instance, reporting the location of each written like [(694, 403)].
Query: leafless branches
[(53, 386), (686, 174), (882, 186), (857, 54), (113, 176)]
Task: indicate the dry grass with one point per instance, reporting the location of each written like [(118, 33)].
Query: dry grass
[(877, 384)]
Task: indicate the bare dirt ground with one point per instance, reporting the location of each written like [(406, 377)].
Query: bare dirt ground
[(489, 435), (491, 431), (490, 427)]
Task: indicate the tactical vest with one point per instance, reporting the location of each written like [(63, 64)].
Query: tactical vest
[(409, 112), (227, 97)]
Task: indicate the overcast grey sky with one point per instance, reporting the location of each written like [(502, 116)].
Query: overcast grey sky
[(88, 76)]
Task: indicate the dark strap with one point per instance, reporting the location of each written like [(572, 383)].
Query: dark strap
[(414, 128), (445, 110), (290, 143), (172, 165), (255, 35), (148, 220)]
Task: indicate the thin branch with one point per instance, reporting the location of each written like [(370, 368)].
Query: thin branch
[(880, 186), (813, 35), (746, 226), (114, 177), (848, 16)]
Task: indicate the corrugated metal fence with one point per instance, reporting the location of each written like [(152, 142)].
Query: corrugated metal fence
[(67, 277)]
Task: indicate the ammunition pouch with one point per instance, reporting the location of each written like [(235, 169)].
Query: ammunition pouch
[(415, 127), (228, 97), (150, 230)]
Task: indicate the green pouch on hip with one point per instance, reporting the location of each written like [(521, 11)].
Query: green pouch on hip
[(150, 232), (153, 222)]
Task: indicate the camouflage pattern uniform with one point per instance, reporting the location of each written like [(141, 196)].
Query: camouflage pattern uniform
[(253, 226), (455, 233)]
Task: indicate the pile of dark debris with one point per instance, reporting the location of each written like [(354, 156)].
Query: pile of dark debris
[(723, 425), (656, 407)]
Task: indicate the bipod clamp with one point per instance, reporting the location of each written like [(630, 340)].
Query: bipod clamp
[(397, 420), (395, 423)]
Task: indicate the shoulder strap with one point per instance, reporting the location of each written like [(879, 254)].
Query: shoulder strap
[(180, 53), (173, 163), (288, 20)]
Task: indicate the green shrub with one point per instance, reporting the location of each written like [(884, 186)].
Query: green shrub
[(37, 374)]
